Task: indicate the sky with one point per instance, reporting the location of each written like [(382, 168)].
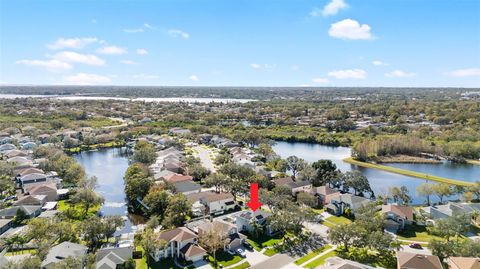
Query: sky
[(321, 43)]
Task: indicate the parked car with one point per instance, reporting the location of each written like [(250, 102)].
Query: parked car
[(415, 245), (247, 246), (241, 252)]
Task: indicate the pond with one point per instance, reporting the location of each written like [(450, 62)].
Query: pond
[(109, 166), (380, 181)]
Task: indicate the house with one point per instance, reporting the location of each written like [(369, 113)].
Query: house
[(111, 257), (340, 202), (397, 217), (7, 147), (178, 131), (5, 224), (324, 194), (449, 210), (295, 186), (30, 170), (62, 251), (229, 230), (19, 161), (29, 146), (211, 202), (175, 178), (15, 153), (30, 210), (463, 263), (173, 166), (339, 263), (187, 187), (181, 243), (160, 175), (39, 200), (47, 189), (250, 221), (408, 260), (32, 178)]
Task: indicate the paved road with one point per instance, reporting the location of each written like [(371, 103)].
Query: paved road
[(204, 156), (414, 250)]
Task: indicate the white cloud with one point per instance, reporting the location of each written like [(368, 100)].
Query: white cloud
[(468, 72), (142, 51), (333, 7), (86, 79), (144, 76), (51, 65), (178, 33), (112, 50), (320, 80), (264, 66), (148, 26), (74, 57), (379, 63), (399, 74), (350, 29), (193, 77), (129, 62), (72, 43), (133, 31), (348, 73)]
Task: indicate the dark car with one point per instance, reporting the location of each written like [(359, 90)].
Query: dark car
[(415, 245), (247, 245)]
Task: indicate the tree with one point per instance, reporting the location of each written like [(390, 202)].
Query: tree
[(65, 231), (344, 234), (400, 195), (442, 190), (86, 196), (177, 212), (216, 180), (357, 181), (425, 190), (327, 173), (475, 189), (213, 240), (20, 217), (308, 173), (7, 187), (451, 226), (93, 231), (111, 224), (149, 243), (137, 184), (144, 152), (307, 199), (40, 230), (157, 200), (295, 164), (457, 248), (198, 172), (25, 263)]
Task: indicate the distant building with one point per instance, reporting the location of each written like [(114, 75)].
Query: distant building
[(408, 260)]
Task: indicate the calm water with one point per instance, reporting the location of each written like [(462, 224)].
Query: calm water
[(379, 180), (168, 99), (109, 166)]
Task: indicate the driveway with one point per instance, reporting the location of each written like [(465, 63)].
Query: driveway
[(202, 265), (317, 228), (204, 155), (414, 250), (254, 257)]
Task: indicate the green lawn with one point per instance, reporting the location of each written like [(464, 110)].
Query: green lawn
[(416, 233), (264, 241), (270, 252), (320, 260), (225, 259), (241, 266), (333, 221), (19, 252), (77, 210), (312, 254), (163, 264)]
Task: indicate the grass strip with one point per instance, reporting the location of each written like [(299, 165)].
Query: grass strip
[(311, 255), (350, 160)]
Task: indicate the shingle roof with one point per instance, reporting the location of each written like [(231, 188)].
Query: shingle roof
[(186, 186), (464, 263), (218, 197), (402, 211), (417, 261), (12, 211), (191, 250), (64, 250), (179, 234)]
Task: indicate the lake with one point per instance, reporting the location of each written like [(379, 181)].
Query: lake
[(93, 98), (380, 181), (109, 166)]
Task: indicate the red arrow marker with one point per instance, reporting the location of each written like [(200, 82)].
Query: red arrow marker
[(254, 204)]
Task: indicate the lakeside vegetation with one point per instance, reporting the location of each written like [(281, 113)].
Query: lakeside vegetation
[(409, 173)]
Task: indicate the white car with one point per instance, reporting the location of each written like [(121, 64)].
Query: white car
[(241, 252)]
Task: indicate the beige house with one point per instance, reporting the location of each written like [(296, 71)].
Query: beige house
[(407, 260), (463, 263), (181, 243), (234, 239)]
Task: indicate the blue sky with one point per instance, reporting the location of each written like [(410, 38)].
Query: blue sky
[(241, 43)]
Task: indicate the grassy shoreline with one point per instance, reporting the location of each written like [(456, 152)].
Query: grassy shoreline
[(113, 144), (350, 160)]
